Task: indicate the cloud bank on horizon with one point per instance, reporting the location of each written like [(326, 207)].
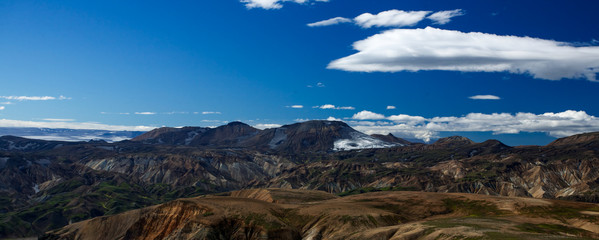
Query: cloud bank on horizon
[(559, 124), (68, 124), (438, 49)]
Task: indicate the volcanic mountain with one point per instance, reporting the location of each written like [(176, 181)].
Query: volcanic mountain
[(310, 136)]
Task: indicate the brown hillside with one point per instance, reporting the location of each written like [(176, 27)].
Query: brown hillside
[(380, 215)]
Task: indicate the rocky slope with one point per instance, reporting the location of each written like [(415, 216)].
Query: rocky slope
[(47, 184), (383, 215)]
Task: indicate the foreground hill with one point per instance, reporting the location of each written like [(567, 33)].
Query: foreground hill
[(302, 214), (48, 184)]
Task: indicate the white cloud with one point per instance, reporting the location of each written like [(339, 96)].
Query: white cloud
[(59, 119), (368, 115), (109, 113), (331, 106), (329, 22), (333, 119), (319, 84), (145, 113), (296, 106), (267, 125), (390, 107), (34, 98), (71, 125), (405, 118), (2, 107), (205, 113), (443, 17), (327, 106), (390, 18), (273, 4), (6, 103), (485, 97), (175, 112), (437, 49), (559, 124)]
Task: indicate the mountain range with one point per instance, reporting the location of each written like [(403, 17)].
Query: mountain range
[(46, 185), (61, 134)]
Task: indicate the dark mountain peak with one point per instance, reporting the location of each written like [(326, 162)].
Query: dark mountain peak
[(584, 138), (391, 138), (453, 141), (318, 136), (225, 136), (235, 128), (170, 135), (237, 123), (318, 124), (493, 142), (154, 133)]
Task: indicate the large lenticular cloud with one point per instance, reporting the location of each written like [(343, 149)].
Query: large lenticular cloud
[(437, 49)]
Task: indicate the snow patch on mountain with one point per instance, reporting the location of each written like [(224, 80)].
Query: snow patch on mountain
[(359, 140)]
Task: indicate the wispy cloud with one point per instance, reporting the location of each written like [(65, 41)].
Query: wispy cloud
[(6, 103), (274, 4), (213, 121), (175, 112), (71, 125), (390, 107), (329, 22), (59, 119), (2, 107), (145, 113), (437, 49), (390, 18), (485, 97), (267, 125), (331, 106), (109, 113), (393, 18), (444, 17), (34, 98), (206, 113), (319, 84), (296, 106), (559, 124)]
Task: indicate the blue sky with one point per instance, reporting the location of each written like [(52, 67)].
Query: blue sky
[(141, 64)]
